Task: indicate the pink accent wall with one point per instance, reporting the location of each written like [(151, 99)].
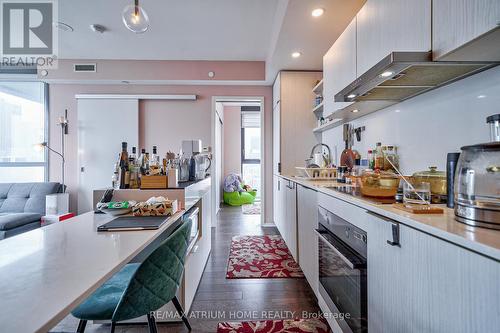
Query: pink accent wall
[(155, 118), (166, 124), (158, 70), (232, 140)]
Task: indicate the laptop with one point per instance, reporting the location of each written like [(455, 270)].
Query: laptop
[(131, 223)]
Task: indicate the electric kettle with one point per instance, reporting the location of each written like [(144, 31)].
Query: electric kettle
[(477, 185)]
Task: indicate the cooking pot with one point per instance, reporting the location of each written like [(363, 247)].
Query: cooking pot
[(436, 179)]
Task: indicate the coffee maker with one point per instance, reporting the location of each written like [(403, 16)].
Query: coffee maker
[(203, 163), (190, 149)]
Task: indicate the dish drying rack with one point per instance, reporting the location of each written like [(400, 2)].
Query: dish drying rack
[(316, 173)]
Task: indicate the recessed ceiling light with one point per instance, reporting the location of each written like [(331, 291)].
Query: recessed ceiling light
[(64, 27), (351, 96), (317, 12), (481, 96), (355, 111), (296, 54), (387, 74), (98, 28)]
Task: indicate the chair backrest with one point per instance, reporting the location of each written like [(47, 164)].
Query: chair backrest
[(157, 279)]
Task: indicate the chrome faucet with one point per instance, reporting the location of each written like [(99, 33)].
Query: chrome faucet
[(328, 159)]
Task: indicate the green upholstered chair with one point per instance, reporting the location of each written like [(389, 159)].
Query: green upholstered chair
[(138, 289)]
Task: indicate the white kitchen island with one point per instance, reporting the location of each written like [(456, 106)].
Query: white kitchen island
[(47, 272)]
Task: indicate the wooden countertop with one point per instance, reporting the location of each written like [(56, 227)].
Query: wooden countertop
[(481, 240)]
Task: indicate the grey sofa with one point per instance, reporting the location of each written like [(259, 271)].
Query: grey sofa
[(22, 205)]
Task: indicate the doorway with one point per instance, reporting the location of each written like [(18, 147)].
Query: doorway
[(238, 147)]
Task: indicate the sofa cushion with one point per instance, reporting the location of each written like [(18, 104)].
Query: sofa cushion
[(14, 220), (25, 197), (36, 201), (4, 190)]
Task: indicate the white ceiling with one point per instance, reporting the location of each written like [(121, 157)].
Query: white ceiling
[(266, 30)]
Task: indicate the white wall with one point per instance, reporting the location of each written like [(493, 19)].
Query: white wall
[(431, 125)]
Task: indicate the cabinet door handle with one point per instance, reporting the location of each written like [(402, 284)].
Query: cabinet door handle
[(395, 235), (394, 227)]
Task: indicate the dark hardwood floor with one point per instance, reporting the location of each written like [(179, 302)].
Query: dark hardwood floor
[(220, 299)]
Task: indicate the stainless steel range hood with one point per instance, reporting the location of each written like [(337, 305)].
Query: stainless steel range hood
[(400, 76)]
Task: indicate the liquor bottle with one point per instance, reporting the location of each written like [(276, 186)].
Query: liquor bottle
[(145, 164), (124, 167), (134, 170), (155, 159), (140, 160), (133, 157), (115, 179)]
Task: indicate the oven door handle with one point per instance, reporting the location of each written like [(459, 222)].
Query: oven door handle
[(340, 254)]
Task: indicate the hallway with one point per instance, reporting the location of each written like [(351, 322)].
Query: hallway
[(282, 297)]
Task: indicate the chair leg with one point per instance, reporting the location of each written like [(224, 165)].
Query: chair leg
[(152, 324), (113, 326), (81, 326), (179, 309)]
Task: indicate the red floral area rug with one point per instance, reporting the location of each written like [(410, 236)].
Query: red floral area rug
[(275, 326), (262, 257)]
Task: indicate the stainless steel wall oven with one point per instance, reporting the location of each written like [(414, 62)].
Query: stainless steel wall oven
[(343, 270)]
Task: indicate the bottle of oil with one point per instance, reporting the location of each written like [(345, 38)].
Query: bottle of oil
[(379, 157)]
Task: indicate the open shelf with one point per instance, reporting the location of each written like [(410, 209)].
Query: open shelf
[(318, 89), (318, 109), (331, 124)]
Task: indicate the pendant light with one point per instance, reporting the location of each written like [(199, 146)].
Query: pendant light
[(135, 18)]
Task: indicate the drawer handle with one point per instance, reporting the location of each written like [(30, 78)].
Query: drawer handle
[(395, 236), (395, 228)]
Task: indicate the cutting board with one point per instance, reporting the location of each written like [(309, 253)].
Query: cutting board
[(418, 209)]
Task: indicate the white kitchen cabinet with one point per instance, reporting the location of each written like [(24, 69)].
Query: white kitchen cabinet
[(339, 68), (384, 26), (197, 258), (290, 222), (277, 139), (456, 25), (293, 120), (279, 200), (427, 284), (285, 212), (307, 222)]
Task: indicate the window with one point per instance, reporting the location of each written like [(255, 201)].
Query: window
[(250, 147), (23, 115)]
